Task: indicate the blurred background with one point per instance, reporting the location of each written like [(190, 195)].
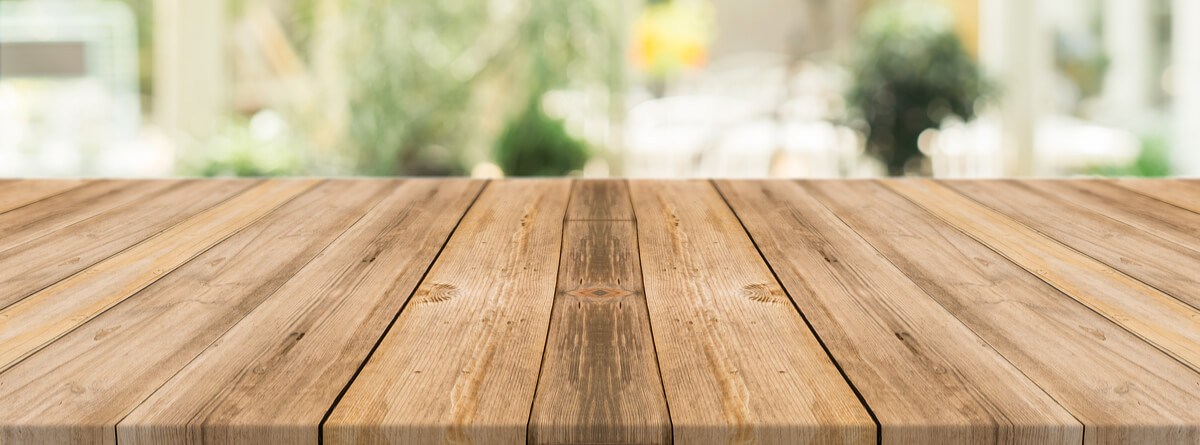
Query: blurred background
[(596, 88)]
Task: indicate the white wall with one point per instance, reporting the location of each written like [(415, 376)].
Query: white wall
[(1185, 147)]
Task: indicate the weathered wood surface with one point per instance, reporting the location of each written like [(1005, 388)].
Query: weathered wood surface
[(460, 364), (1151, 259), (912, 360), (1039, 330), (72, 206), (15, 193), (1153, 216), (292, 355), (41, 262), (739, 364), (46, 315), (558, 311), (1184, 193), (601, 200), (118, 359), (599, 381), (1156, 317)]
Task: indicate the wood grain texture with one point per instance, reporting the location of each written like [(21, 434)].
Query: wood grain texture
[(461, 362), (600, 199), (1165, 265), (36, 264), (738, 363), (43, 217), (913, 362), (1150, 215), (599, 381), (78, 388), (1121, 388), (31, 323), (273, 377), (15, 193), (1178, 192), (1143, 310), (589, 312)]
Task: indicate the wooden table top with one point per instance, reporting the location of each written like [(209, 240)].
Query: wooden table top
[(555, 311)]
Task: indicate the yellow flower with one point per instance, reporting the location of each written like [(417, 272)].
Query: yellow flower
[(669, 37)]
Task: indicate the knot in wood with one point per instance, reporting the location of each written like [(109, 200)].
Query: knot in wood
[(599, 292)]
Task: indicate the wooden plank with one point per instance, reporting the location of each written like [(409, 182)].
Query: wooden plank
[(600, 199), (927, 377), (1178, 192), (76, 389), (1122, 389), (36, 264), (1143, 310), (599, 381), (274, 376), (53, 213), (739, 364), (1143, 212), (31, 323), (461, 362), (21, 192), (1165, 265)]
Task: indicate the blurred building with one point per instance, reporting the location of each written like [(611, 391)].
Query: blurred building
[(1083, 83), (69, 97)]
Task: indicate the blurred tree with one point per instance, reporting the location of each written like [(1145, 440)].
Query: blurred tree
[(423, 80), (1153, 160), (260, 146), (534, 144), (910, 71)]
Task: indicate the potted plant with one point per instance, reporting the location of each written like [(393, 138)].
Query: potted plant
[(910, 71), (535, 144)]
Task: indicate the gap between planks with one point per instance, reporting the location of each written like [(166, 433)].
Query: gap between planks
[(89, 355), (1151, 259), (46, 216), (38, 263), (841, 370), (1182, 193), (34, 321), (599, 381), (484, 305), (710, 295), (17, 193), (604, 221), (1156, 317), (912, 361), (1031, 323), (424, 275), (290, 380)]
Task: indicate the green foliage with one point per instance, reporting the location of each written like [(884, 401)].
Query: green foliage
[(1081, 57), (534, 144), (1152, 162), (239, 152), (403, 96), (910, 71), (419, 74)]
